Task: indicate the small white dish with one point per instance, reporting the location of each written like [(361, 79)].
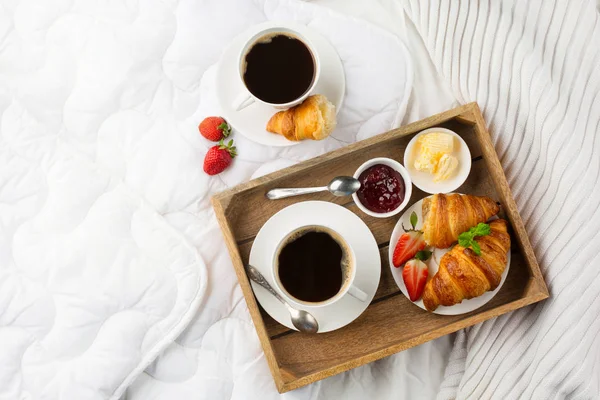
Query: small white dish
[(424, 180), (407, 184), (433, 265), (251, 121), (354, 231)]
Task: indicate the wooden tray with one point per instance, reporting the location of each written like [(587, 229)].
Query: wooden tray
[(391, 323)]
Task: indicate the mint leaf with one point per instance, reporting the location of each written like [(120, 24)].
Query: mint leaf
[(467, 239), (423, 255), (464, 239), (482, 229), (413, 219)]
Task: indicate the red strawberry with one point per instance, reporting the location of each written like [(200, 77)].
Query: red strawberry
[(219, 157), (409, 243), (415, 275), (214, 128)]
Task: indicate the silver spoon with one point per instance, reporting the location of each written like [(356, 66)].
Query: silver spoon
[(339, 186), (302, 320)]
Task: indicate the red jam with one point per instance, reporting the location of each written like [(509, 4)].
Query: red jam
[(382, 188)]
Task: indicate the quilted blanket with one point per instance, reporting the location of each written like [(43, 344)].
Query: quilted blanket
[(108, 245), (94, 281)]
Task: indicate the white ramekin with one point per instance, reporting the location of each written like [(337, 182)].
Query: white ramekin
[(407, 185)]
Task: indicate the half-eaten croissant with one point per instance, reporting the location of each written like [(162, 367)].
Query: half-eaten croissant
[(313, 119)]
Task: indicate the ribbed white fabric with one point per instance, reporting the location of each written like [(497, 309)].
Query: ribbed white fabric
[(534, 68)]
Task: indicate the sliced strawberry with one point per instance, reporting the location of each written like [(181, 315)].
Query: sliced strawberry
[(408, 245), (415, 275)]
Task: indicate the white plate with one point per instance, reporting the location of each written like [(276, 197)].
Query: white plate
[(433, 265), (252, 120), (352, 229), (424, 180)]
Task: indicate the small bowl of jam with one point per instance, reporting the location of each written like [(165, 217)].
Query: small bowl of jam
[(385, 187)]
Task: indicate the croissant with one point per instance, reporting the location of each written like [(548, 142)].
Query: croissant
[(313, 119), (464, 275), (447, 216)]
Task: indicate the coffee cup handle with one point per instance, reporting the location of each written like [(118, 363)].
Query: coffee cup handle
[(357, 293), (242, 101)]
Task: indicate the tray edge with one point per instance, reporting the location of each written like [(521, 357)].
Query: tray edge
[(470, 114), (251, 303)]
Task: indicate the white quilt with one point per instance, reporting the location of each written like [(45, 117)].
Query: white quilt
[(94, 280), (104, 207)]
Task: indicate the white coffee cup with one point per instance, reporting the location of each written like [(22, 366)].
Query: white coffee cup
[(246, 98), (348, 270)]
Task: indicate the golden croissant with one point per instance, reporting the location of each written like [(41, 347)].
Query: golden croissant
[(464, 275), (313, 119), (445, 216)]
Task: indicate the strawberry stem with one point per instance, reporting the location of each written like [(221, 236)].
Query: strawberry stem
[(413, 222), (231, 149), (423, 255), (413, 219), (225, 129)]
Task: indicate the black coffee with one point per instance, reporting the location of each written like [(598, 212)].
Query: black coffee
[(312, 265), (279, 69)]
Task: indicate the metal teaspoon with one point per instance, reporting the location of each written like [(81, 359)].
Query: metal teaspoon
[(339, 186), (302, 320)]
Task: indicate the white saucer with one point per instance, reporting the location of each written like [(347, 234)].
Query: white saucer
[(424, 180), (252, 120), (353, 230), (433, 265)]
